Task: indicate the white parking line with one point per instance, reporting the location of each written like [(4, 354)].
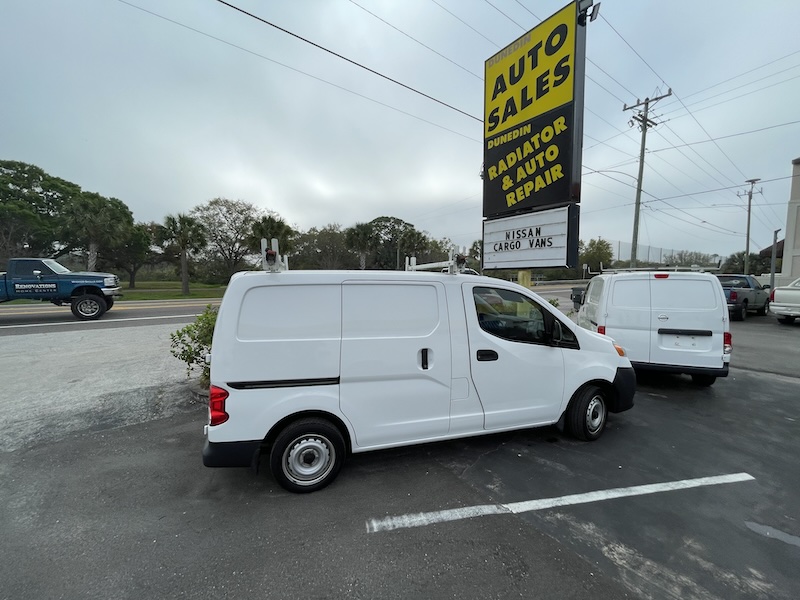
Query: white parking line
[(467, 512)]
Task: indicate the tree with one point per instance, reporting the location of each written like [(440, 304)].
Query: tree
[(94, 222), (135, 249), (359, 239), (385, 241), (31, 202), (269, 227), (188, 235), (229, 229), (594, 253), (324, 248)]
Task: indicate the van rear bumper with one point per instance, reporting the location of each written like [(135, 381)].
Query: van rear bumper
[(231, 454), (716, 372), (625, 388)]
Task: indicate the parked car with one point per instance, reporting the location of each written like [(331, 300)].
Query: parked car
[(667, 321), (784, 302), (744, 293)]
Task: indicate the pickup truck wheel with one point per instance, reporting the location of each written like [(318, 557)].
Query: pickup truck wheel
[(88, 307), (704, 380), (741, 312), (587, 414), (786, 320), (109, 302), (307, 455)]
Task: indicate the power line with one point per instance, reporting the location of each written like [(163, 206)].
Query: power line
[(506, 16), (349, 60), (325, 81), (463, 68), (452, 14), (724, 137)]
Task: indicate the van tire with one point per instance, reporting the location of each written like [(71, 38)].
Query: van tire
[(786, 320), (703, 380), (307, 455), (587, 413), (88, 307)]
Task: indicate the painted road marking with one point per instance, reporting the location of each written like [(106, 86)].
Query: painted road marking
[(99, 321), (467, 512)]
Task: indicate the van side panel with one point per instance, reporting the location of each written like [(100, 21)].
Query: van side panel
[(284, 333), (628, 316), (396, 361), (688, 318)]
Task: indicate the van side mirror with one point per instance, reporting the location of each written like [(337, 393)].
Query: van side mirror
[(37, 272), (555, 334)]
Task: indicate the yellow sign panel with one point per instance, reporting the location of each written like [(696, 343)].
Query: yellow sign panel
[(533, 75)]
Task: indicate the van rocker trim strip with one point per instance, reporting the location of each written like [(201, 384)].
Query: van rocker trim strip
[(281, 383), (697, 332)]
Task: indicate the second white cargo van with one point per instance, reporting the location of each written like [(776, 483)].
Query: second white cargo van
[(669, 321), (309, 366)]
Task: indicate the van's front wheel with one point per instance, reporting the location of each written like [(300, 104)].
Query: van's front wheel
[(587, 414), (307, 455)]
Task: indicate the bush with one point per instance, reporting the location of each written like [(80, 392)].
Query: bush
[(193, 342)]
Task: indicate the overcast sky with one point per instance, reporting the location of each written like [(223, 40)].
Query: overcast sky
[(176, 102)]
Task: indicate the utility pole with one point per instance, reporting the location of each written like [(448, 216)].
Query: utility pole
[(644, 123), (752, 183), (774, 256)]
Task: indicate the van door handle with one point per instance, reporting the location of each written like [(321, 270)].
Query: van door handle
[(485, 355), (424, 359)]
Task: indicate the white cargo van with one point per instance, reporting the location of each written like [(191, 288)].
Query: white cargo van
[(308, 366), (669, 321)]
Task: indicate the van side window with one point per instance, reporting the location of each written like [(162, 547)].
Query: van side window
[(595, 291), (509, 315)]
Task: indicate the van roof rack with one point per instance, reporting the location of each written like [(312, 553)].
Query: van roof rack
[(456, 263), (271, 260), (681, 268)]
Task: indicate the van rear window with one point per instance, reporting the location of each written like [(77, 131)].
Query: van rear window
[(631, 293), (683, 293)]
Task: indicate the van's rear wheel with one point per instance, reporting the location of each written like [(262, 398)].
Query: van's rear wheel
[(307, 455), (587, 414), (704, 380)]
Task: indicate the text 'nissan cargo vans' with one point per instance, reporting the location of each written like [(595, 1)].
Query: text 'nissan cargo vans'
[(668, 321), (308, 366)]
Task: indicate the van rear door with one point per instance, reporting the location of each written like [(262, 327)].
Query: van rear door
[(396, 361), (627, 316), (687, 321)]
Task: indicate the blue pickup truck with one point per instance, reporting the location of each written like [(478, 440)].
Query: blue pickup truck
[(89, 294)]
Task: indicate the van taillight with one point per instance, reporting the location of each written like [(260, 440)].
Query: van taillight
[(601, 329), (216, 405), (661, 275), (727, 342), (772, 295)]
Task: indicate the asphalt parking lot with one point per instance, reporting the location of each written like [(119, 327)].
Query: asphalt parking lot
[(104, 494)]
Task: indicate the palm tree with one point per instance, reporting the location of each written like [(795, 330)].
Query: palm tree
[(94, 221), (271, 227), (359, 238), (188, 235)]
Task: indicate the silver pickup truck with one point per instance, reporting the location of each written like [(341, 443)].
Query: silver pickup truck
[(784, 302)]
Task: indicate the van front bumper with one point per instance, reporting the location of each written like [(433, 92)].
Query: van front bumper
[(231, 454), (625, 388)]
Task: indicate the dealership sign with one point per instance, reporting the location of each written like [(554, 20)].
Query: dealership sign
[(533, 118), (545, 238)]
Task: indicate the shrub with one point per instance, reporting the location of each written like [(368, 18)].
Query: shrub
[(193, 342)]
